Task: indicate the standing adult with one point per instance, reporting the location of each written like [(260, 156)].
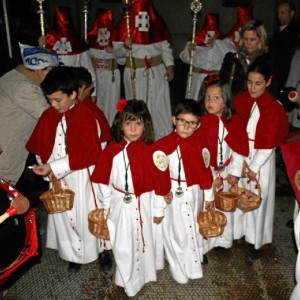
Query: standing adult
[(252, 46), (210, 48), (108, 78), (22, 103), (148, 61), (283, 44)]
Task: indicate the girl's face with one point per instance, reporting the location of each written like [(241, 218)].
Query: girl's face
[(214, 102), (250, 41), (61, 101), (257, 84), (133, 130), (185, 124)]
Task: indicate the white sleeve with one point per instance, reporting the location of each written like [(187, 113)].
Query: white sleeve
[(105, 196), (60, 167), (167, 54), (159, 205), (185, 54), (120, 52), (259, 159), (209, 194), (236, 166)]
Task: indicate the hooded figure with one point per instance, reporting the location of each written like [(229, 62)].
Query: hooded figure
[(148, 48), (209, 50)]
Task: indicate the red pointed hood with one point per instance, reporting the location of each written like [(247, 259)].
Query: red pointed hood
[(244, 14), (100, 35), (209, 28), (146, 25)]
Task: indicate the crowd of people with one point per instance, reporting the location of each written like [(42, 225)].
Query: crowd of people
[(151, 170)]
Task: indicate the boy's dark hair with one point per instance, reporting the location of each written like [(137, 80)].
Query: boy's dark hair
[(188, 106), (60, 79), (226, 95), (83, 76), (262, 67), (134, 110)]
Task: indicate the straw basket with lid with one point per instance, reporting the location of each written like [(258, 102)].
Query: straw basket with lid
[(247, 200), (57, 199), (98, 223), (211, 223)]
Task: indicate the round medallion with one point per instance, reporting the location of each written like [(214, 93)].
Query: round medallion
[(179, 192), (221, 167), (127, 198)]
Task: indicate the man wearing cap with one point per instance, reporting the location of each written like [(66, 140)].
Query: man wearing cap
[(22, 103)]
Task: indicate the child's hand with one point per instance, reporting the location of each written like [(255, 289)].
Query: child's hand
[(232, 180), (191, 47), (109, 49), (42, 170), (169, 197), (209, 205), (251, 175), (170, 73), (217, 184), (157, 220)]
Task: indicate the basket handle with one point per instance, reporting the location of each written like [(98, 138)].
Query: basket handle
[(56, 185), (256, 180)]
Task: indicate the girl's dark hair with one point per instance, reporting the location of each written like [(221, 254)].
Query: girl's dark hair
[(134, 110), (262, 67), (188, 106), (60, 79), (226, 95)]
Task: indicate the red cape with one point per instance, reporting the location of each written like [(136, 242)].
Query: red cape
[(237, 138), (101, 118), (146, 177), (82, 136), (291, 156), (191, 153), (273, 124)]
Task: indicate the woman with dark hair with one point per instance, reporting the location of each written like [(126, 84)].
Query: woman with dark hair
[(253, 46), (267, 125)]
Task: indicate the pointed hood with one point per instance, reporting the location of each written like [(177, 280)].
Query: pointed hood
[(101, 32), (62, 38), (146, 25), (244, 14), (210, 28)]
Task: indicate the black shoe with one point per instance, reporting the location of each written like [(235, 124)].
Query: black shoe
[(205, 260), (105, 261), (252, 253), (290, 224), (220, 249), (73, 267), (240, 240)]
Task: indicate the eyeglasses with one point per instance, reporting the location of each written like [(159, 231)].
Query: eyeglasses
[(183, 122)]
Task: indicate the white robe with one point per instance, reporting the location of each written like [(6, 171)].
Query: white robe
[(108, 91), (207, 58), (130, 229), (234, 168), (257, 225), (183, 243), (151, 84), (68, 231), (296, 292)]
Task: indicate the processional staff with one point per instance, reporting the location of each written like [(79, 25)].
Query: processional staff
[(41, 12), (85, 17), (127, 5), (196, 6)]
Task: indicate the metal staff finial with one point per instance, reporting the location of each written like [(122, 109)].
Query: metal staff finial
[(196, 6), (85, 17), (127, 4), (41, 12)]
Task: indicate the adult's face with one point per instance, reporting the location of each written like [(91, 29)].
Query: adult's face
[(284, 14), (42, 73), (250, 41)]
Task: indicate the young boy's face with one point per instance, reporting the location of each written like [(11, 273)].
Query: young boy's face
[(185, 124), (61, 101)]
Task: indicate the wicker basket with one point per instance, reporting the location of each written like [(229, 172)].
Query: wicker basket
[(211, 223), (98, 223), (248, 200), (226, 201), (57, 199)]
